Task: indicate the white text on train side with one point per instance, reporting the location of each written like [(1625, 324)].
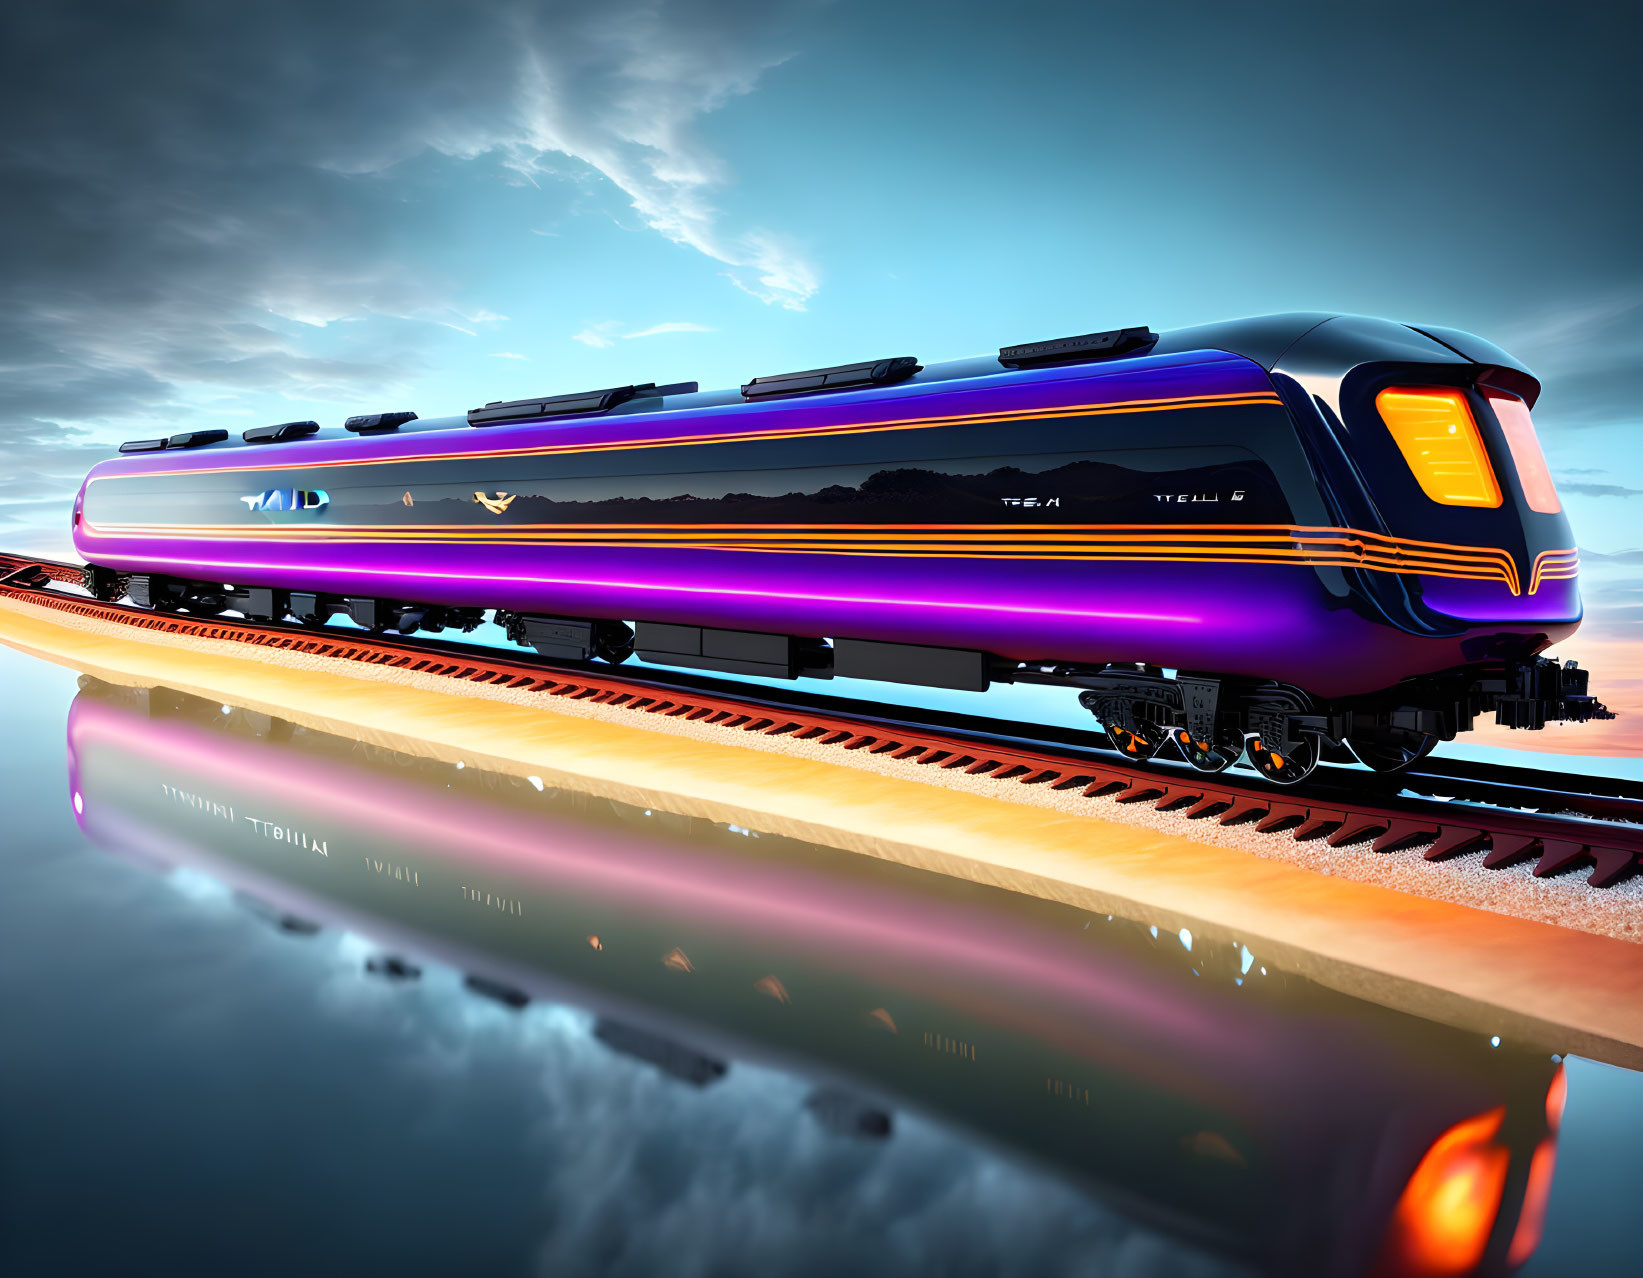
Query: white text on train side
[(288, 499)]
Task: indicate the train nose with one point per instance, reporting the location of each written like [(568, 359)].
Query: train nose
[(1487, 491), (1551, 596)]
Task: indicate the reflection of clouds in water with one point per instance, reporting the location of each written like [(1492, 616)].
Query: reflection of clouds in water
[(741, 1180), (642, 1174), (199, 889)]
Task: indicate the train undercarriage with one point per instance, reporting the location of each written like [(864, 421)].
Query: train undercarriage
[(1208, 720)]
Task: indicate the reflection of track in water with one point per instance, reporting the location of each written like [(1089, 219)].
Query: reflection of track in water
[(1256, 1113)]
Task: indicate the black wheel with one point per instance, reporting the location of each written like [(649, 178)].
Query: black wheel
[(1208, 756), (1390, 749), (1141, 743), (1288, 766)]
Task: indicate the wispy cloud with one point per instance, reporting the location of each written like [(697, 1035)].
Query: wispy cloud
[(607, 332), (598, 335), (508, 355), (1588, 354), (1583, 488), (783, 275), (659, 70), (671, 326)]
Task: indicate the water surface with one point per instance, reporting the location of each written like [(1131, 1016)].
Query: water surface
[(275, 1001)]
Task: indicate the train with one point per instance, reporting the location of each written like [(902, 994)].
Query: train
[(1249, 1113), (1289, 539)]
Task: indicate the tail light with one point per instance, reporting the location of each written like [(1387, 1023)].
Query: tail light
[(1443, 1221), (1435, 431), (1513, 415)]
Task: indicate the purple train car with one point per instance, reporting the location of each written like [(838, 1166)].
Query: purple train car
[(1292, 535)]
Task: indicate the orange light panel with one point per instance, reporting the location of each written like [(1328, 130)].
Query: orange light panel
[(1513, 415), (1434, 430), (1443, 1221)]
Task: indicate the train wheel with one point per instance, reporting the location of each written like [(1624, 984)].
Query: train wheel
[(1288, 766), (1390, 749), (1142, 743), (1208, 756)]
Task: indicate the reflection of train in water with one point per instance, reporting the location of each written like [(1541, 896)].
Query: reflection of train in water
[(1254, 1113), (1287, 535)]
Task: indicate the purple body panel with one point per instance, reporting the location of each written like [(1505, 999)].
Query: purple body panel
[(1226, 617), (1557, 600)]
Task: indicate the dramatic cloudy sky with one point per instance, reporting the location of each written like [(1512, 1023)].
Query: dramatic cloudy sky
[(228, 214)]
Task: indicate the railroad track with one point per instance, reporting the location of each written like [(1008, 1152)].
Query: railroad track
[(1563, 821)]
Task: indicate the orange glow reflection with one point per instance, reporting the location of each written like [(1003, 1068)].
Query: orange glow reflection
[(678, 960), (1531, 1222), (1557, 1096), (1443, 1221)]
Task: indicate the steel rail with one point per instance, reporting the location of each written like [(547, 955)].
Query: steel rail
[(1452, 808)]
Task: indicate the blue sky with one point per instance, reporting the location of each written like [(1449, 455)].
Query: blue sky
[(231, 215)]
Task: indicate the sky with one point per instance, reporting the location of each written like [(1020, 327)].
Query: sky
[(230, 215)]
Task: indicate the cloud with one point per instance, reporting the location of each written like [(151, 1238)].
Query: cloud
[(606, 332), (656, 69), (598, 335), (672, 326), (1582, 489), (1587, 354), (508, 355), (783, 274)]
